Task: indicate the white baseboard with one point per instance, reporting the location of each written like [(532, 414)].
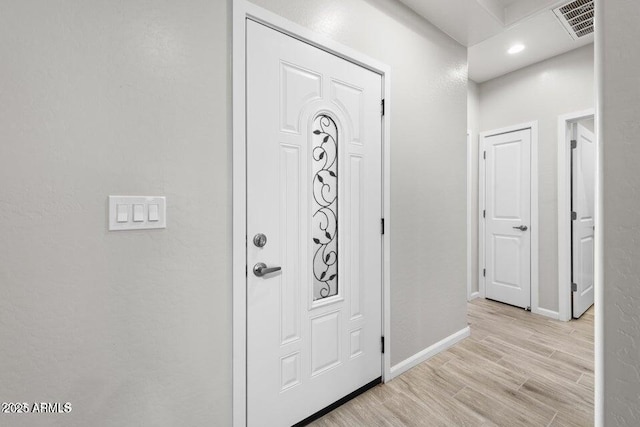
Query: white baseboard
[(474, 295), (428, 352), (548, 313)]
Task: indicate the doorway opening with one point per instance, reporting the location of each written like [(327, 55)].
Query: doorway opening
[(304, 340), (508, 216), (576, 206)]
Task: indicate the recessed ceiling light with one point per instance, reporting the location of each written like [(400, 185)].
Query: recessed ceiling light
[(515, 49)]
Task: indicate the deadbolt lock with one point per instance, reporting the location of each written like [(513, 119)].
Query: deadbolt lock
[(260, 240)]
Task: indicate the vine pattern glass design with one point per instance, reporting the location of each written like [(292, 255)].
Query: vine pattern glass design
[(325, 207)]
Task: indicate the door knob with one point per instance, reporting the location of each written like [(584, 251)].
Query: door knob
[(260, 269), (521, 228)]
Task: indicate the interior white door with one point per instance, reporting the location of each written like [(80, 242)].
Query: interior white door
[(508, 217), (583, 169), (314, 159)]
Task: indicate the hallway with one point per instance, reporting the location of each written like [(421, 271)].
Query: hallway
[(515, 369)]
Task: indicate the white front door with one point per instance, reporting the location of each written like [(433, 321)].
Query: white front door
[(583, 167), (314, 176), (508, 217)]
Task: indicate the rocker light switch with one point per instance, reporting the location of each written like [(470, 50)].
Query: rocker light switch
[(154, 213), (137, 212), (123, 213)]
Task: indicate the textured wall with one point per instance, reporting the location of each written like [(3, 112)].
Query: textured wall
[(115, 97), (133, 97), (542, 92), (428, 160), (620, 120)]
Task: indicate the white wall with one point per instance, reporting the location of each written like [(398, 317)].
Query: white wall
[(619, 127), (115, 97), (542, 92), (133, 97)]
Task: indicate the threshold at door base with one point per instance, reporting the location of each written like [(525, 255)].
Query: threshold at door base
[(321, 413)]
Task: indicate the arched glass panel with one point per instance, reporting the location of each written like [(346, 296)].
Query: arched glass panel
[(325, 207)]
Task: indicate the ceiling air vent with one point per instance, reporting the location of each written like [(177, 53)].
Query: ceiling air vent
[(576, 17)]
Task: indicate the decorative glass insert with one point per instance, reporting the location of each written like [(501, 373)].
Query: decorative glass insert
[(324, 224)]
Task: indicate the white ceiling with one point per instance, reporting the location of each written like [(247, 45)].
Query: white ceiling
[(489, 27), (543, 36)]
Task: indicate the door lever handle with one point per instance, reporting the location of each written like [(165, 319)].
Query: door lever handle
[(521, 228), (260, 269)]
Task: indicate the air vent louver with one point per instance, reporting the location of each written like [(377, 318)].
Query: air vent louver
[(576, 17)]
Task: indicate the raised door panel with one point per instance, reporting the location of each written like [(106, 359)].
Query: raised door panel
[(350, 100), (325, 342), (507, 177), (290, 232), (507, 253), (298, 87)]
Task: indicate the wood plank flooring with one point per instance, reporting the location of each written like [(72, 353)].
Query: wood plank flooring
[(516, 369)]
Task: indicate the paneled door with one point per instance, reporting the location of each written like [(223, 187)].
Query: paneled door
[(583, 170), (508, 217), (314, 246)]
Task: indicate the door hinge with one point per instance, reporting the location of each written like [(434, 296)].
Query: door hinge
[(382, 107), (381, 225), (574, 287), (484, 272), (484, 213), (382, 344), (574, 216), (484, 155), (574, 144)]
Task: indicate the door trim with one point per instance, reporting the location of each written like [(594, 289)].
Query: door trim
[(564, 210), (471, 294), (243, 10), (535, 307)]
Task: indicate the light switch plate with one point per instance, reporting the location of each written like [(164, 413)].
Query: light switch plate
[(139, 216)]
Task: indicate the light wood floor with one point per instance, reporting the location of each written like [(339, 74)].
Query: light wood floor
[(516, 369)]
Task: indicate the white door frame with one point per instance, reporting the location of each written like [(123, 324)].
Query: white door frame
[(243, 10), (535, 308), (564, 209), (470, 293)]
